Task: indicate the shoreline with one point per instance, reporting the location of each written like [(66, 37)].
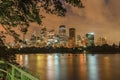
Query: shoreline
[(75, 50)]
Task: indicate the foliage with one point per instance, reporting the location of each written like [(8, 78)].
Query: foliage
[(57, 7), (16, 12)]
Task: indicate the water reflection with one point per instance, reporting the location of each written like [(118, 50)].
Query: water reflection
[(72, 66), (50, 67), (26, 59), (92, 67), (57, 66), (23, 59), (83, 67), (107, 68)]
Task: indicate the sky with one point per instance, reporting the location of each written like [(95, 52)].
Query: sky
[(99, 16)]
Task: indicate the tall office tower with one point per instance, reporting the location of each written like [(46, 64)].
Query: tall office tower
[(62, 30), (90, 38), (62, 35), (72, 35)]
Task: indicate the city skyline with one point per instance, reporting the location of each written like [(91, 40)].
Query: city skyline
[(100, 17), (37, 32)]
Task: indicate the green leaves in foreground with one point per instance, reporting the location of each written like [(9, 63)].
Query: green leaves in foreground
[(18, 12)]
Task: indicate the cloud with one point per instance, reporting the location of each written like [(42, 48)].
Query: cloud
[(99, 16), (113, 7)]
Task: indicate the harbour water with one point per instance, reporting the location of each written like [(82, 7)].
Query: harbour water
[(69, 66)]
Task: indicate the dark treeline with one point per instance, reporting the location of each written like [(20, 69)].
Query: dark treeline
[(104, 48), (6, 56), (28, 50), (44, 50), (33, 50)]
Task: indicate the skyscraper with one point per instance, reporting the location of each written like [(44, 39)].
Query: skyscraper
[(72, 33), (62, 35), (62, 30), (72, 36), (90, 39)]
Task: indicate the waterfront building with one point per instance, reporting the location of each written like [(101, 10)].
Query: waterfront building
[(72, 36), (56, 41), (90, 39), (72, 33), (62, 30), (83, 41), (62, 35), (78, 41), (71, 43), (101, 41), (50, 37)]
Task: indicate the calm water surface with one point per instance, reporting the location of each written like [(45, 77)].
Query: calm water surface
[(72, 66)]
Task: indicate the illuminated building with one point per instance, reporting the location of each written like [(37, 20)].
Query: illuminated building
[(72, 33), (70, 43), (78, 40), (101, 41), (62, 30), (50, 37), (62, 35), (56, 41), (84, 41), (72, 37), (90, 39)]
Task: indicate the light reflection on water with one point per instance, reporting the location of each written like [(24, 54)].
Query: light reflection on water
[(72, 66), (92, 67)]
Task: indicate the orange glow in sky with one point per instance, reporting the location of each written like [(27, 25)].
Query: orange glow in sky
[(99, 16)]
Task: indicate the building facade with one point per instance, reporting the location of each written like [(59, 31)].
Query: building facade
[(72, 37), (101, 41), (62, 35), (90, 39)]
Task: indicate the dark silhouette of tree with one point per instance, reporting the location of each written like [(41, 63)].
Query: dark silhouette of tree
[(119, 44), (114, 45), (15, 13), (2, 38)]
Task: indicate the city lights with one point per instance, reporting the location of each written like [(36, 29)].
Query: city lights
[(51, 38)]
